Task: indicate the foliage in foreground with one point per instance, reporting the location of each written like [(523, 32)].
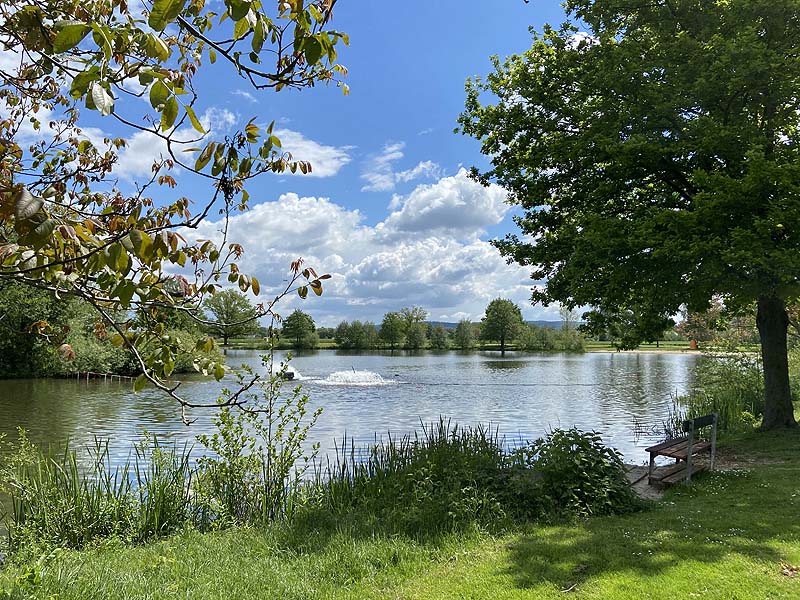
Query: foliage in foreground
[(729, 535), (447, 477), (444, 479)]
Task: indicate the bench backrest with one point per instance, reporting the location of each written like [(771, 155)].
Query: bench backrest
[(699, 422)]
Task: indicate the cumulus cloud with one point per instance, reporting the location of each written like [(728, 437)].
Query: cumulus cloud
[(455, 204), (326, 161), (448, 270), (380, 175)]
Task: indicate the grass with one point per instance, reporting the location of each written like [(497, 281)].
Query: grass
[(725, 537)]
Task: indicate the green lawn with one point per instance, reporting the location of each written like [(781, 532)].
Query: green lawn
[(725, 537)]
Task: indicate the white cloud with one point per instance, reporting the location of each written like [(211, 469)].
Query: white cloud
[(456, 204), (380, 175), (244, 94), (326, 161), (448, 270)]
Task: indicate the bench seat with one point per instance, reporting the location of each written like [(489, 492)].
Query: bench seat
[(683, 449)]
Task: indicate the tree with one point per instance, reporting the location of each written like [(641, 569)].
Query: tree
[(301, 329), (414, 328), (32, 326), (502, 322), (702, 326), (232, 314), (464, 336), (439, 338), (656, 160), (392, 328), (356, 335), (67, 227)]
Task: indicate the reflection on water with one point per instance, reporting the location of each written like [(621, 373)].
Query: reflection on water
[(364, 394)]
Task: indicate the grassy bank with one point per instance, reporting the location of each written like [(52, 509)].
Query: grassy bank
[(725, 537)]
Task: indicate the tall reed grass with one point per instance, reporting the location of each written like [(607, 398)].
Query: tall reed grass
[(59, 500), (731, 385)]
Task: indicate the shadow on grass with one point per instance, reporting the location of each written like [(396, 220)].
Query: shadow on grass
[(723, 514)]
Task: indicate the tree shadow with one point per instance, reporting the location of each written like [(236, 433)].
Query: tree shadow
[(723, 514)]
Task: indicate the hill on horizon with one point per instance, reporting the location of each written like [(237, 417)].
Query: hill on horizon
[(539, 323)]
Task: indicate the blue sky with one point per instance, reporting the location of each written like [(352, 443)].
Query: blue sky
[(389, 211)]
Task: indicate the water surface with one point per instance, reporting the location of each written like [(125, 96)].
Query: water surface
[(367, 394)]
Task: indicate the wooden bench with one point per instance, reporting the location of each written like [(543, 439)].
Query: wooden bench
[(683, 449)]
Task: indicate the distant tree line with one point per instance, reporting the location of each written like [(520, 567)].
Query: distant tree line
[(407, 329)]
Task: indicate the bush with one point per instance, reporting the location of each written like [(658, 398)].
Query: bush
[(437, 480), (576, 475), (449, 478), (257, 455)]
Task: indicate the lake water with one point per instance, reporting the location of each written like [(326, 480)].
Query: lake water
[(362, 395)]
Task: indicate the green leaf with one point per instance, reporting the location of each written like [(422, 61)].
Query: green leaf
[(39, 235), (155, 47), (70, 36), (159, 94), (81, 82), (241, 28), (195, 121), (238, 9), (219, 371), (302, 291), (26, 205), (103, 101), (255, 285), (139, 383), (313, 50), (164, 12), (169, 113), (205, 156)]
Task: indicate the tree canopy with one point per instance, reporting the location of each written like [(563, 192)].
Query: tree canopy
[(502, 321), (232, 315), (392, 328), (65, 224), (300, 328), (655, 157)]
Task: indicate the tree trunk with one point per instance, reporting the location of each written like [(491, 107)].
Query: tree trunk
[(772, 322), (502, 345)]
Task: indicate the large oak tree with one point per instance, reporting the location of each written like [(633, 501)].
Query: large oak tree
[(655, 156)]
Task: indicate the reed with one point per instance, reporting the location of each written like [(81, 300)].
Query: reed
[(57, 500)]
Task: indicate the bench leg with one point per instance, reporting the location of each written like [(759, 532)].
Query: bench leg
[(652, 468)]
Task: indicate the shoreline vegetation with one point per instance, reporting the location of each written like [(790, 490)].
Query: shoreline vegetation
[(732, 533)]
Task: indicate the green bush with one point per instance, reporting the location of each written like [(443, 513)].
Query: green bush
[(575, 475), (257, 455), (439, 479), (448, 478)]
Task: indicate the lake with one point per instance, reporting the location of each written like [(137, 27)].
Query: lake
[(362, 395)]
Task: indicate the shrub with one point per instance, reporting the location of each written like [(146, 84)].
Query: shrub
[(257, 455), (441, 478), (575, 475), (447, 478)]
